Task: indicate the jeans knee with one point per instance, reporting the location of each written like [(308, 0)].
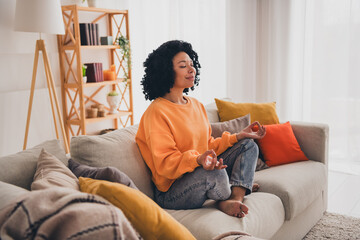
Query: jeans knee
[(251, 144), (220, 175), (218, 178), (218, 183)]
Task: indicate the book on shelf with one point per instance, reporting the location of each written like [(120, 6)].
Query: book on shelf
[(84, 34), (97, 34), (94, 72), (89, 34)]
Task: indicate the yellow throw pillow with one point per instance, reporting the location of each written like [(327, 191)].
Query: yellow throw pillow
[(265, 113), (150, 220)]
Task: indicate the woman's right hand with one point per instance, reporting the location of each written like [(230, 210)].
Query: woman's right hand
[(208, 161)]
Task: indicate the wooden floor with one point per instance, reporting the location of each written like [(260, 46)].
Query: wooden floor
[(344, 193)]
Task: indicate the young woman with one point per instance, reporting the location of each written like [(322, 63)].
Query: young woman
[(188, 165)]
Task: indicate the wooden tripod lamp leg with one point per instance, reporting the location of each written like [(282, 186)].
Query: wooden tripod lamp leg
[(52, 87), (36, 58), (47, 72), (40, 46)]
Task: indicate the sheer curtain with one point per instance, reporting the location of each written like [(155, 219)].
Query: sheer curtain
[(334, 77), (202, 23), (306, 56)]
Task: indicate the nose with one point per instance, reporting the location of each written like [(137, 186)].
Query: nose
[(191, 69)]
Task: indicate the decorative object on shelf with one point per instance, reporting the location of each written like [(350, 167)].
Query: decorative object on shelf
[(81, 3), (100, 109), (110, 74), (93, 3), (84, 67), (113, 98), (107, 40), (92, 112), (124, 45), (42, 16)]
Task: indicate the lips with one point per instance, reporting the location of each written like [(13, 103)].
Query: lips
[(191, 78)]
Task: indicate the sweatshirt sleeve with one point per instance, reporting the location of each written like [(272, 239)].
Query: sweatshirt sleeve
[(168, 161), (220, 144)]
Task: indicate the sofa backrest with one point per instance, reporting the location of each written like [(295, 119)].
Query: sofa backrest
[(19, 168), (117, 149), (212, 112)]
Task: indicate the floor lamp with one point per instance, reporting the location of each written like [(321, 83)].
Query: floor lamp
[(42, 16)]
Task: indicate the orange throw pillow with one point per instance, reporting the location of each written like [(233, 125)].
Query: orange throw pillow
[(279, 146)]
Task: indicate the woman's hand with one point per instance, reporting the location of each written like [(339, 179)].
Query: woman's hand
[(248, 132), (208, 161)]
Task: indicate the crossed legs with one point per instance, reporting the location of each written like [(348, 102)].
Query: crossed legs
[(227, 187)]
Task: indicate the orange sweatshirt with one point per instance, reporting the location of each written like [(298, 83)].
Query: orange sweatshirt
[(171, 136)]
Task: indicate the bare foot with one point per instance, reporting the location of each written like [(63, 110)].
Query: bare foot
[(255, 187), (233, 208)]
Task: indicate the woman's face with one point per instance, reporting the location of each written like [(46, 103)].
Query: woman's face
[(184, 71)]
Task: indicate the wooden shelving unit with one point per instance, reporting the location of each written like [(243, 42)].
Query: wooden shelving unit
[(77, 95)]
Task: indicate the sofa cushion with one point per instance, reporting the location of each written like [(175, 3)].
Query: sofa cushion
[(117, 149), (9, 193), (265, 113), (279, 145), (266, 216), (111, 174), (296, 184), (19, 168), (231, 126), (51, 172), (146, 216)]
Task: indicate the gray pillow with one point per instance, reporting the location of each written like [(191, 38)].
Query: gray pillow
[(235, 126), (232, 126), (51, 172), (111, 174), (19, 168)]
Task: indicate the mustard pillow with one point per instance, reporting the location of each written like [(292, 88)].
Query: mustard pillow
[(264, 113), (150, 220)]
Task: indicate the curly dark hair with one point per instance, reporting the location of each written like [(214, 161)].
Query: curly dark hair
[(159, 74)]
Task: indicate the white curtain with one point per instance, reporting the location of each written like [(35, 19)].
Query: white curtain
[(202, 23), (305, 56)]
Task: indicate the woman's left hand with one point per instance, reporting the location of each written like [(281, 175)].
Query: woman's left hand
[(248, 132)]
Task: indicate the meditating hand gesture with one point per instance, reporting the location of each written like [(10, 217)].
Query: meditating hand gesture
[(209, 161), (253, 131)]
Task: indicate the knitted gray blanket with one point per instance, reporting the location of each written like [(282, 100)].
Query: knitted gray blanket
[(60, 213)]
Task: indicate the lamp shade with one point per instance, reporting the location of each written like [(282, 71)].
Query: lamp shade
[(42, 16)]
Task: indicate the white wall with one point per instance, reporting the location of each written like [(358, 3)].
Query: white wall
[(16, 65), (151, 24)]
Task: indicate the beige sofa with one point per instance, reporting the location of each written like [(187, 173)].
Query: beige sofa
[(292, 197)]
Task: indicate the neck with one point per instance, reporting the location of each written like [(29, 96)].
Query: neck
[(175, 97)]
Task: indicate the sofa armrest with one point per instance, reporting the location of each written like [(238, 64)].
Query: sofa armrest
[(313, 139)]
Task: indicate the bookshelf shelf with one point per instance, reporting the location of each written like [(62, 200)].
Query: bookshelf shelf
[(91, 47), (77, 96), (99, 119), (92, 9), (97, 84)]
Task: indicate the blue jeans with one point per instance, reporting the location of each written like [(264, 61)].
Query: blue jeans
[(194, 188)]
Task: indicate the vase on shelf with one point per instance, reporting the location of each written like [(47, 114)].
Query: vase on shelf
[(76, 2), (113, 102), (93, 3)]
